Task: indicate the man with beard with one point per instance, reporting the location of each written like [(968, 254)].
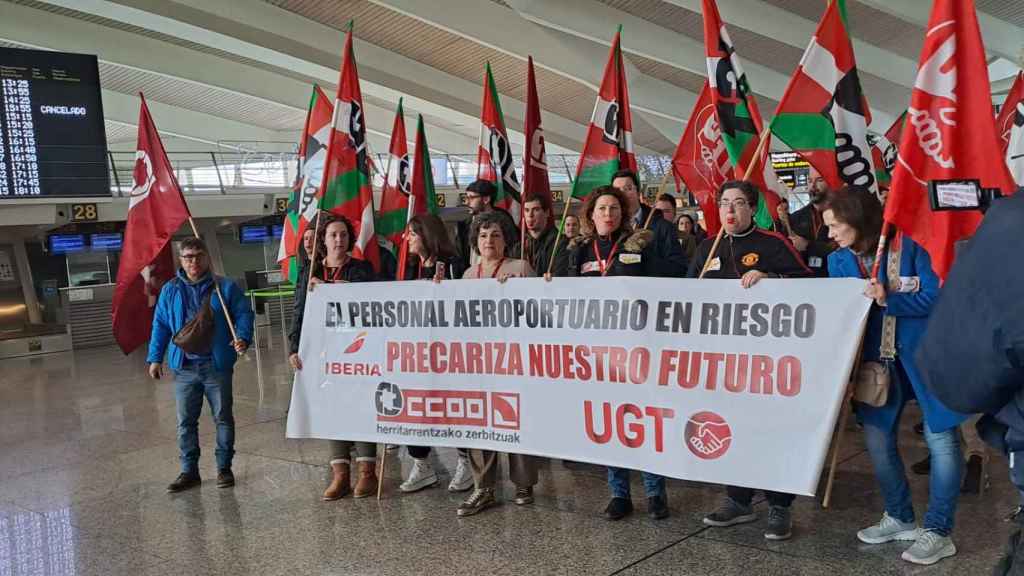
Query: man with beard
[(480, 197), (658, 241), (541, 236), (809, 233)]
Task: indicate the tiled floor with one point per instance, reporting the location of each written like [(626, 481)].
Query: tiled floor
[(87, 448)]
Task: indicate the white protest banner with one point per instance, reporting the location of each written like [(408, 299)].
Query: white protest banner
[(701, 380)]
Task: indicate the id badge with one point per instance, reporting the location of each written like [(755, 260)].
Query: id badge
[(592, 266), (815, 262), (716, 264), (629, 258)]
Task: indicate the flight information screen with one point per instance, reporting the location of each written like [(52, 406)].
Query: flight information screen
[(52, 137)]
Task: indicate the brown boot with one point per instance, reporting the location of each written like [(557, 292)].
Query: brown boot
[(341, 483), (366, 484)]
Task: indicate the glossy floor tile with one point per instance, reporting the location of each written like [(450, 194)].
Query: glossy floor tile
[(87, 447)]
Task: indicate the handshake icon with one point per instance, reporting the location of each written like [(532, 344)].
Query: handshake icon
[(707, 435)]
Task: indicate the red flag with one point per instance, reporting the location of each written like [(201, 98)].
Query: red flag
[(609, 144), (394, 198), (494, 155), (950, 133), (156, 210), (535, 159), (346, 189), (1004, 122), (422, 199), (701, 159), (738, 115), (303, 202)]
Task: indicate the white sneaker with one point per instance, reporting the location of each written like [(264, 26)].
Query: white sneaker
[(462, 480), (887, 530), (421, 476), (929, 548)]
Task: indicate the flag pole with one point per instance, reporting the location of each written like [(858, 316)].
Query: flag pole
[(746, 175), (522, 224), (561, 225), (880, 251), (664, 179), (216, 288)]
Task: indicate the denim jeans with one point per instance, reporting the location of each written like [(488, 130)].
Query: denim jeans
[(194, 381), (618, 481), (944, 482)]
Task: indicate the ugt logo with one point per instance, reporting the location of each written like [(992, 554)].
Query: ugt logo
[(388, 399), (707, 435)]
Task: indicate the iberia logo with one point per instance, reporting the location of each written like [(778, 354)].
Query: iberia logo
[(356, 344), (707, 435)]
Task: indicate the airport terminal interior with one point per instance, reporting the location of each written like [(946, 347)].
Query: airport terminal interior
[(89, 442)]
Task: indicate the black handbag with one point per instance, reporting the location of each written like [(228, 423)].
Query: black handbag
[(196, 336)]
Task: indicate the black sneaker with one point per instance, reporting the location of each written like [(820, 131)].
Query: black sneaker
[(657, 507), (730, 513), (524, 495), (974, 476), (184, 482), (480, 500), (780, 523), (922, 467), (225, 479), (618, 508)]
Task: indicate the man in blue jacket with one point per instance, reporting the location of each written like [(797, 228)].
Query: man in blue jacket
[(206, 373)]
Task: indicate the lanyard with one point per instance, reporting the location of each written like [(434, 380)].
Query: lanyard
[(606, 263), (863, 269), (480, 269), (336, 275)]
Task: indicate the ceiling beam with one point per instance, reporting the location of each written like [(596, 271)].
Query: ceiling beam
[(1000, 37), (666, 106), (294, 45)]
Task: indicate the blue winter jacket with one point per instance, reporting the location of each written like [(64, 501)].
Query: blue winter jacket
[(169, 318), (911, 310)]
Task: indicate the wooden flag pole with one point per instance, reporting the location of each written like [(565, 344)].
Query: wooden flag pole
[(216, 288), (838, 442), (561, 227), (383, 467), (664, 179), (746, 175)]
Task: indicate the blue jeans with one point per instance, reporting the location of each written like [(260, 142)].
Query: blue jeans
[(944, 481), (191, 383), (618, 481)]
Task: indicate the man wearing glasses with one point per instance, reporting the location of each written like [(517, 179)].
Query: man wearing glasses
[(749, 254), (201, 372)]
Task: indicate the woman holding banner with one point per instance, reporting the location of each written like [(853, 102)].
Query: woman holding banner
[(432, 257), (603, 251), (489, 233), (904, 292), (744, 252), (334, 241)]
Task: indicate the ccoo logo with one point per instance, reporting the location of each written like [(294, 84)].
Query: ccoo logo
[(707, 435), (388, 399)]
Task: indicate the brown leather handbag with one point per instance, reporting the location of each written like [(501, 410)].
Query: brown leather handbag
[(196, 336)]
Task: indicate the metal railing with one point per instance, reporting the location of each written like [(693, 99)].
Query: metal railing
[(229, 172)]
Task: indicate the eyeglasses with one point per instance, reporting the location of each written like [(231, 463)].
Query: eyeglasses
[(735, 204), (192, 256)]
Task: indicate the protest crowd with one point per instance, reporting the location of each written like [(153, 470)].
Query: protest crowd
[(920, 265)]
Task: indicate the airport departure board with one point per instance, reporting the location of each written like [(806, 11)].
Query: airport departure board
[(52, 137)]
